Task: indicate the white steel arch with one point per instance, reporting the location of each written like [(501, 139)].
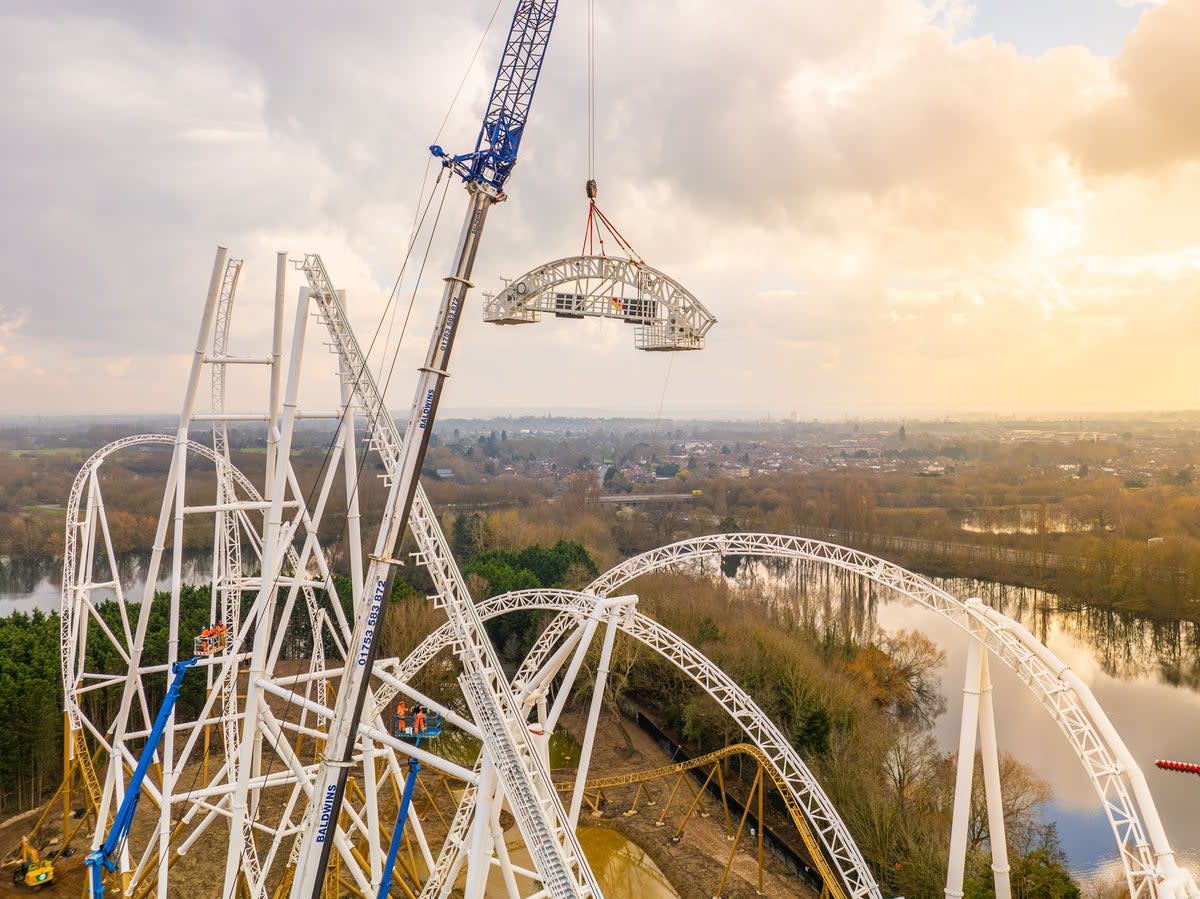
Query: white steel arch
[(87, 534), (668, 315), (576, 607), (1146, 855)]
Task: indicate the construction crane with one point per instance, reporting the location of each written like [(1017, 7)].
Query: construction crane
[(539, 813)]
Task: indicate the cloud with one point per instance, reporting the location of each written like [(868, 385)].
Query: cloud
[(1147, 117), (878, 210)]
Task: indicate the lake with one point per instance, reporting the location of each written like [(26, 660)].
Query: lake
[(28, 585), (1144, 673)]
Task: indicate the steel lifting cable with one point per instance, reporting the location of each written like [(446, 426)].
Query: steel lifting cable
[(591, 91), (595, 215)]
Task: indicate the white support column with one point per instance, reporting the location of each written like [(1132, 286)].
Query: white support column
[(370, 788), (479, 855), (272, 559), (273, 409), (564, 689), (132, 685), (589, 734), (505, 862), (991, 783), (535, 687), (956, 868)]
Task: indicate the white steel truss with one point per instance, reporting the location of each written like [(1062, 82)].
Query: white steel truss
[(279, 526), (283, 708), (526, 780), (668, 316), (578, 608), (258, 754), (1146, 855)]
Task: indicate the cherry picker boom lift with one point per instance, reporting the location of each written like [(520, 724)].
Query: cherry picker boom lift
[(104, 858)]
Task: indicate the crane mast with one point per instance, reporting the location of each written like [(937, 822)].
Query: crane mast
[(539, 813)]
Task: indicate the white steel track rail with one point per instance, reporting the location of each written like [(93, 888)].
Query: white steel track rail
[(78, 610), (1146, 855), (807, 792), (527, 783)]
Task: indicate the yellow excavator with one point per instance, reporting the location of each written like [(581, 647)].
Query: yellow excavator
[(33, 871)]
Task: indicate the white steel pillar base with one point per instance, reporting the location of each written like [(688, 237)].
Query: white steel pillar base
[(978, 717)]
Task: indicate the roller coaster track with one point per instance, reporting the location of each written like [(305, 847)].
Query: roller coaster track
[(854, 875), (832, 884)]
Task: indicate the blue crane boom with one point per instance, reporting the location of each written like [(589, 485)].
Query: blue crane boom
[(102, 859), (495, 153), (485, 171)]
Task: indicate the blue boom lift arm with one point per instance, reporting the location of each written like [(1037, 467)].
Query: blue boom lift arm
[(103, 859)]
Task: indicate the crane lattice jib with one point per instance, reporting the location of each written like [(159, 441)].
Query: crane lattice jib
[(503, 125), (553, 846)]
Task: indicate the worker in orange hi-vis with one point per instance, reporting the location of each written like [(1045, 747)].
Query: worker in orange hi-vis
[(401, 711), (419, 721)]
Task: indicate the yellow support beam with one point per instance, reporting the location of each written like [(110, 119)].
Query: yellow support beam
[(832, 883)]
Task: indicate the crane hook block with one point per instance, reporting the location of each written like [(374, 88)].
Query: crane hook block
[(592, 189)]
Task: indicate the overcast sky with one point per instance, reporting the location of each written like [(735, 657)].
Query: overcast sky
[(892, 206)]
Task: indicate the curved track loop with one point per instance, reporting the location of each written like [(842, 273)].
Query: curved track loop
[(76, 607), (1148, 860), (787, 767)]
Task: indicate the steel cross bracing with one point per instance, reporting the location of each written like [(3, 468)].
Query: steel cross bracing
[(786, 764), (528, 780), (82, 534), (668, 315), (1149, 861)]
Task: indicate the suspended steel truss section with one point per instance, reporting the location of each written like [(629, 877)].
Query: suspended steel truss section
[(1147, 857), (668, 316)]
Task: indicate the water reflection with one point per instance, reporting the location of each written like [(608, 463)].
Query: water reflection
[(1144, 672), (1023, 521), (623, 868), (26, 585), (1124, 644), (841, 606)]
